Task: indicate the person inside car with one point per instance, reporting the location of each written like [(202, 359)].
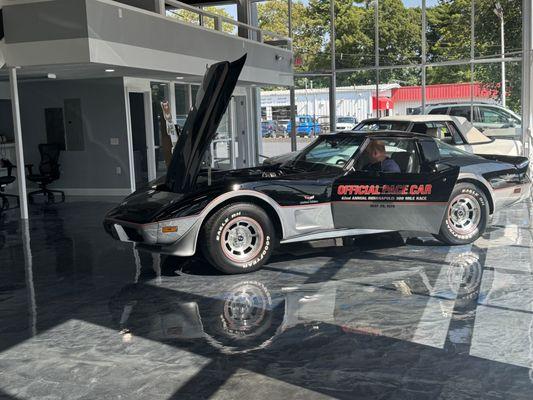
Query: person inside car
[(378, 160)]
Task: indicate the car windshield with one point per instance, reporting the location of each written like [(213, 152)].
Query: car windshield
[(383, 126), (329, 151), (348, 120)]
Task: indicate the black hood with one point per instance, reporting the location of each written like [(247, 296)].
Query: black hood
[(202, 123)]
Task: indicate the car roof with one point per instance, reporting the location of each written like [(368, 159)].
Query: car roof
[(382, 133), (422, 118), (462, 104)]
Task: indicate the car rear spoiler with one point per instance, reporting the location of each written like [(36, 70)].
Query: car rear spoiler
[(520, 163)]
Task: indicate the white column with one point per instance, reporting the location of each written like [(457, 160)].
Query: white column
[(527, 76), (172, 100), (129, 133), (159, 6), (28, 268), (189, 97), (19, 147)]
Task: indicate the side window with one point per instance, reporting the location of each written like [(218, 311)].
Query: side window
[(390, 155), (445, 131), (419, 127), (490, 115), (439, 111), (460, 112), (454, 133), (438, 130)]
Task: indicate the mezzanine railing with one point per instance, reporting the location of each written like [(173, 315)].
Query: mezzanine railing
[(224, 24)]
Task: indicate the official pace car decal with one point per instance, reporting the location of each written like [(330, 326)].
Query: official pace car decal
[(417, 192), (396, 188)]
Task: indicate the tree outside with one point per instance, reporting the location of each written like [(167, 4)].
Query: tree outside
[(448, 38)]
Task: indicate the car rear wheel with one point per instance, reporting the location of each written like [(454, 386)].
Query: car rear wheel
[(466, 215), (238, 238)]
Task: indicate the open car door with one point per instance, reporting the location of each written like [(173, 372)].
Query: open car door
[(414, 199)]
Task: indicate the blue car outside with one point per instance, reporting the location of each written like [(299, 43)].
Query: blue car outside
[(305, 126)]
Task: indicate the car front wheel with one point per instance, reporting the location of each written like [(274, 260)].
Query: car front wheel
[(238, 238), (466, 215)]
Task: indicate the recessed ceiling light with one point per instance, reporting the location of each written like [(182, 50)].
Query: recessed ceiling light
[(109, 70), (179, 77)]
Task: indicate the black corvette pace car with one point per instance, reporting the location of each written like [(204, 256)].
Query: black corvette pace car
[(236, 218)]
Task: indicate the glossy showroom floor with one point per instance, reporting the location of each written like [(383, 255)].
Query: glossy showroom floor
[(388, 317)]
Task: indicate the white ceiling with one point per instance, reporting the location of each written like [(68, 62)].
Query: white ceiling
[(92, 70)]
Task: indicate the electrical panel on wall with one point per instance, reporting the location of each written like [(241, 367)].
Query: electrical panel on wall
[(64, 126)]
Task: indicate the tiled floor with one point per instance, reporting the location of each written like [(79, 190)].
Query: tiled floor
[(390, 317)]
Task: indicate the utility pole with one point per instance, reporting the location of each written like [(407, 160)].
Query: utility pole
[(292, 93), (333, 83), (306, 98), (498, 10), (314, 101)]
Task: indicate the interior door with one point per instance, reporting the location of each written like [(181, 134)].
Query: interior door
[(138, 123)]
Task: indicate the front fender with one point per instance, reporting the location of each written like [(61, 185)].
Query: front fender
[(187, 244)]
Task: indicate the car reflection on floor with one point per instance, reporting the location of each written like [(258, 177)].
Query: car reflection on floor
[(240, 315)]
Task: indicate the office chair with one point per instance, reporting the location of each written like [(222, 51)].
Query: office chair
[(4, 181), (48, 172)]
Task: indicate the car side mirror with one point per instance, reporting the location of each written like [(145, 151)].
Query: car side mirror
[(511, 123)]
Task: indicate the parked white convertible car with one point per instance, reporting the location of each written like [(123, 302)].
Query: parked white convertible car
[(457, 131)]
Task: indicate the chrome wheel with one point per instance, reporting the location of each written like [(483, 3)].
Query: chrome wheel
[(464, 274), (245, 308), (242, 239), (464, 214)]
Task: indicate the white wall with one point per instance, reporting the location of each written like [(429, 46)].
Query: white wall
[(4, 90), (103, 116)]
